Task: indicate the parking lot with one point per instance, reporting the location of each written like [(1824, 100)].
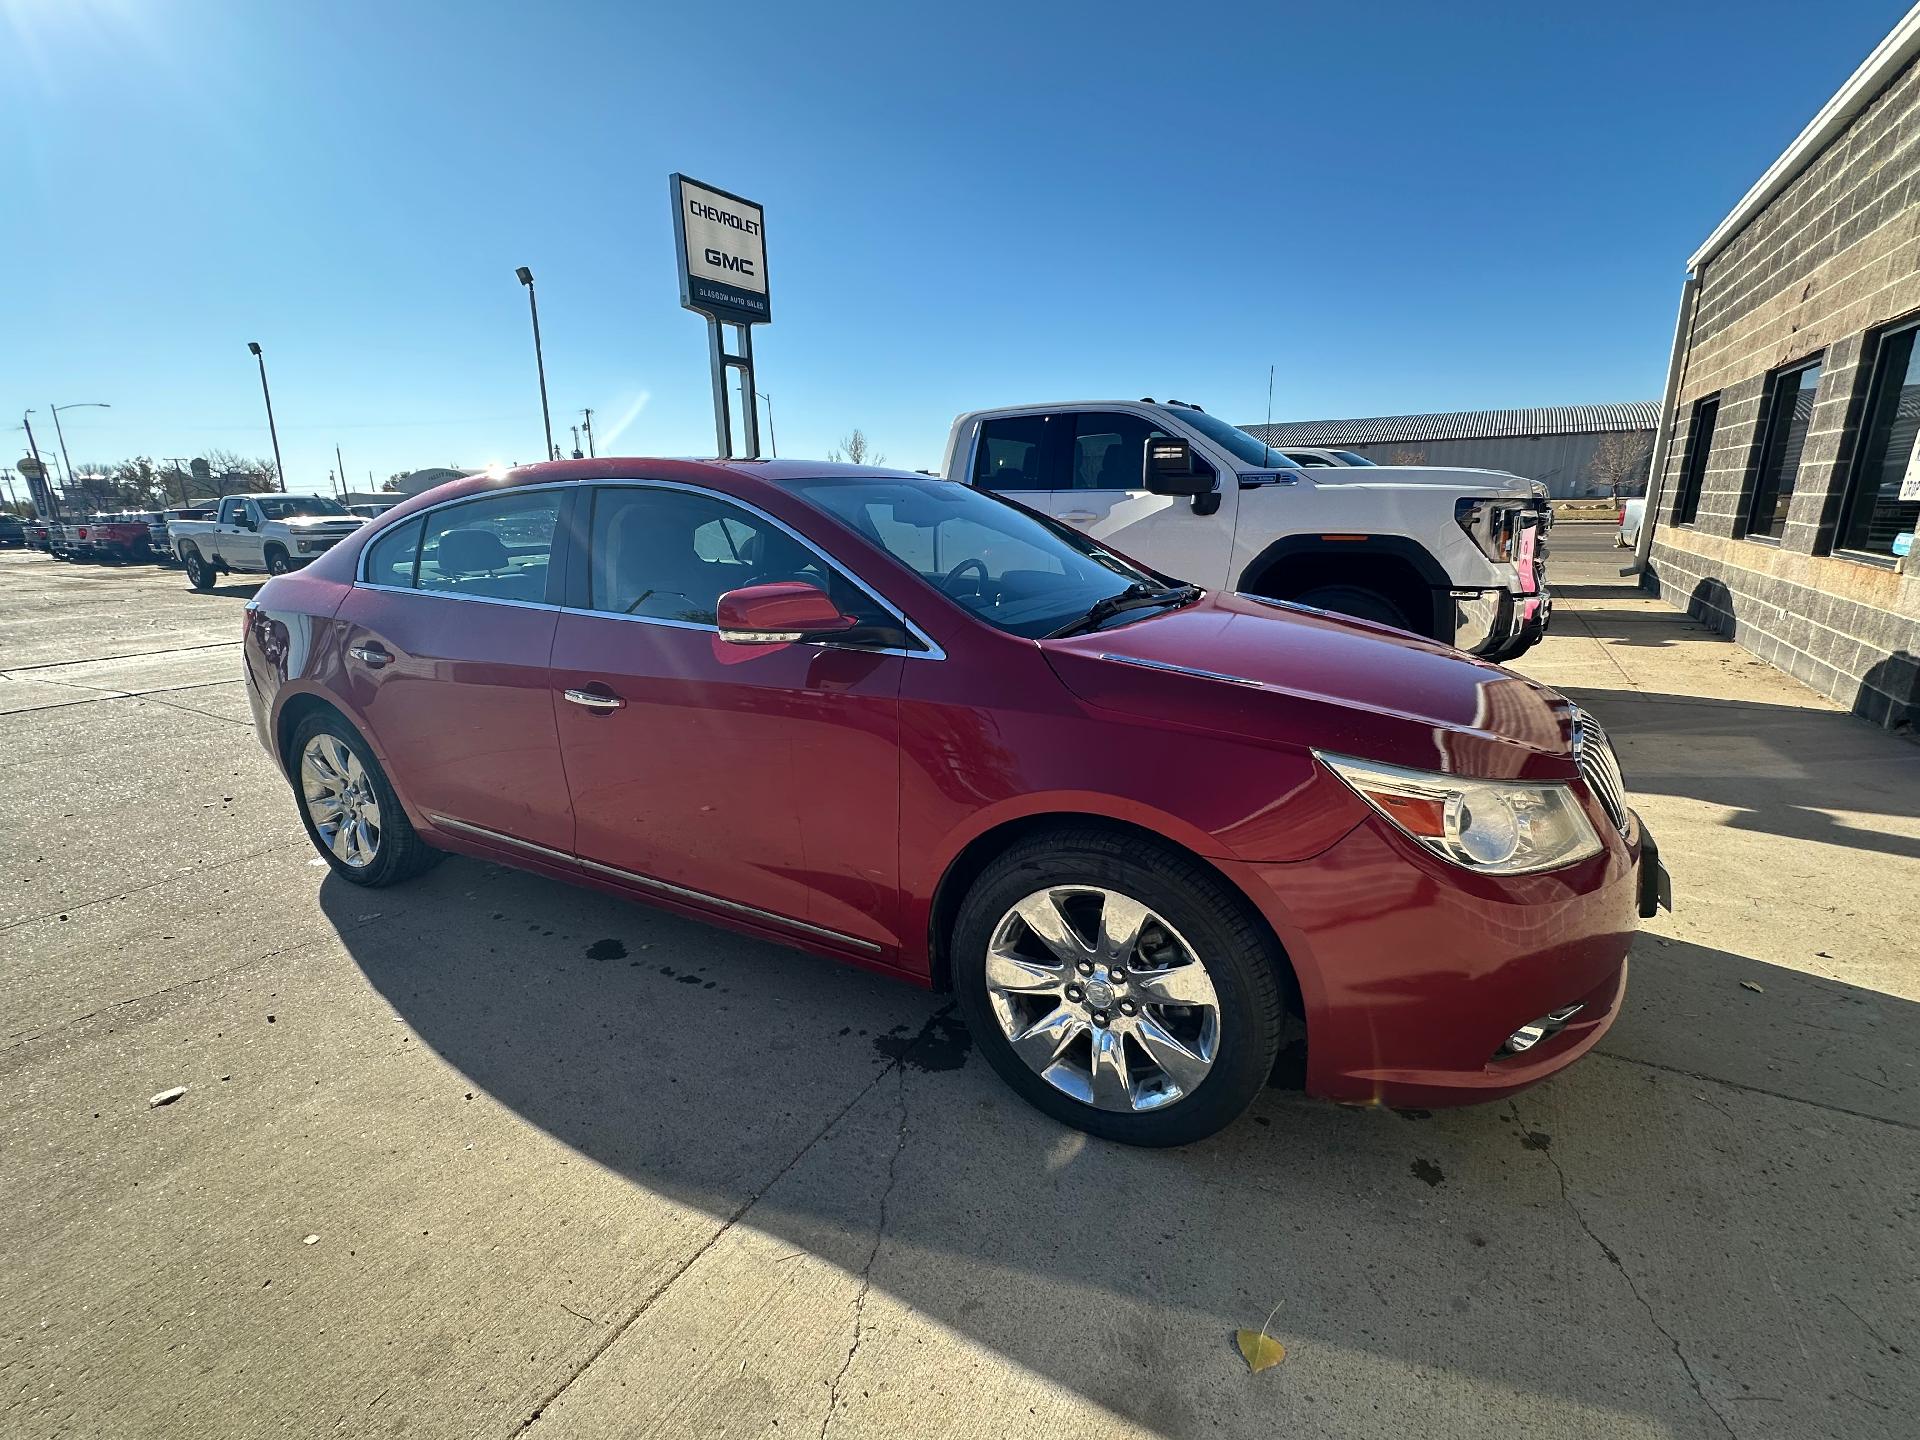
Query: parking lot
[(489, 1155)]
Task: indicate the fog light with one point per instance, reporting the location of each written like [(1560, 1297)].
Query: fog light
[(1534, 1031)]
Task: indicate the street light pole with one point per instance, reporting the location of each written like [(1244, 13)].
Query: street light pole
[(279, 470), (341, 467), (588, 414), (65, 463), (773, 440), (539, 360)]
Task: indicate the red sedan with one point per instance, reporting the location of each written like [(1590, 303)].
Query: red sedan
[(1147, 835)]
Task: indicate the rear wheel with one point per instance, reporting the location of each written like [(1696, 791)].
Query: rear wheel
[(200, 574), (1357, 601), (349, 809), (1120, 987)]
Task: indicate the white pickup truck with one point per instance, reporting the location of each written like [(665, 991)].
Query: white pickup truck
[(271, 533), (1452, 554)]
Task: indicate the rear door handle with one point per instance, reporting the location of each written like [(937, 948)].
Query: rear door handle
[(1076, 516), (369, 655), (594, 699)]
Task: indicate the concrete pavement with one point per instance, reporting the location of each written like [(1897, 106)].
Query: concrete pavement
[(578, 1168)]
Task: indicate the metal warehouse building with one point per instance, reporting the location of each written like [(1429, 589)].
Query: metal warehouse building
[(1788, 482), (1574, 450)]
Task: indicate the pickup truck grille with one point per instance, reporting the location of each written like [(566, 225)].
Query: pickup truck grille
[(1593, 754)]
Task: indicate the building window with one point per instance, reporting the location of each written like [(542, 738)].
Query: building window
[(1888, 451), (1789, 415), (1699, 447)]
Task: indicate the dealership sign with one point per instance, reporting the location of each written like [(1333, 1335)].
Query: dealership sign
[(722, 245)]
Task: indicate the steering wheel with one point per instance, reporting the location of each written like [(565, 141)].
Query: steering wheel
[(972, 562)]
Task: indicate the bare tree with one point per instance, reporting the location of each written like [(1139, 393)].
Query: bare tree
[(226, 465), (1620, 461), (1406, 455), (856, 450)]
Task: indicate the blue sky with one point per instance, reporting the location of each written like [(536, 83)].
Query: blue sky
[(1400, 206)]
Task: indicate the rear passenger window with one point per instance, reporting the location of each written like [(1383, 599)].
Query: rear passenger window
[(497, 548), (390, 558), (1012, 454)]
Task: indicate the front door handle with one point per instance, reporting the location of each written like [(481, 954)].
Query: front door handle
[(1076, 516), (594, 699), (369, 655)]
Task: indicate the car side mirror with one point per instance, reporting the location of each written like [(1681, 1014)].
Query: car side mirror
[(779, 613), (1172, 470)]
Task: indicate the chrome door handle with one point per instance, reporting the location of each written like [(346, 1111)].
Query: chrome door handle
[(369, 654), (1076, 516), (593, 700)]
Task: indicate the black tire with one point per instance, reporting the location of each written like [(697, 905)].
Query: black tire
[(277, 562), (1357, 601), (200, 574), (1240, 955), (400, 854)]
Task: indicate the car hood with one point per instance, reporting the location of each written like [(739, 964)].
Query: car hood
[(303, 523), (1425, 477), (1290, 675)]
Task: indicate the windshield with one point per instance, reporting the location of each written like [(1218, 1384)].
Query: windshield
[(282, 507), (1249, 449), (1353, 459), (1015, 571)]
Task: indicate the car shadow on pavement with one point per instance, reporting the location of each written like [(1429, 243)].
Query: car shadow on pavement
[(1527, 1242), (1779, 768)]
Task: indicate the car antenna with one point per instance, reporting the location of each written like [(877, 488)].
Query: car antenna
[(1266, 433)]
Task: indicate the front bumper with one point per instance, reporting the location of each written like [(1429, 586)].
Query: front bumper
[(1414, 973)]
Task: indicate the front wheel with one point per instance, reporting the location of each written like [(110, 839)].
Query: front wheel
[(1357, 601), (277, 562), (349, 809), (1120, 987)]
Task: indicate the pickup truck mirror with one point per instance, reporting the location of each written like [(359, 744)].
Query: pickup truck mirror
[(1172, 470), (245, 521)]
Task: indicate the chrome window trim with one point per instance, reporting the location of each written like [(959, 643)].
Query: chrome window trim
[(932, 651), (647, 882)]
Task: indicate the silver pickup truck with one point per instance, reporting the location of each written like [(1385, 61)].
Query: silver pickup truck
[(271, 533)]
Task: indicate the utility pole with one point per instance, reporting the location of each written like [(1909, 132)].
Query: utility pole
[(60, 435), (179, 464), (340, 469), (279, 470), (576, 442), (539, 360), (772, 439), (588, 413)]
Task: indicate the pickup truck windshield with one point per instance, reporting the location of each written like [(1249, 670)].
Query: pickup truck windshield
[(1014, 570), (283, 507), (1248, 449)]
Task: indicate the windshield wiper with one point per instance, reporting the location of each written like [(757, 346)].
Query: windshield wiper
[(1136, 596)]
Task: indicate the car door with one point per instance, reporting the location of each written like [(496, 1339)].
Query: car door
[(1093, 466), (762, 778), (447, 632)]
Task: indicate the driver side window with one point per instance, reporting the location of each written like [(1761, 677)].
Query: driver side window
[(671, 554)]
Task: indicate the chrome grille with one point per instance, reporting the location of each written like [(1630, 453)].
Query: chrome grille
[(1593, 754)]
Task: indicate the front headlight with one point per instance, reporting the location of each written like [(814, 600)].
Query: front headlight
[(1498, 827)]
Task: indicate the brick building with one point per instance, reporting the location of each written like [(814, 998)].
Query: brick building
[(1787, 433)]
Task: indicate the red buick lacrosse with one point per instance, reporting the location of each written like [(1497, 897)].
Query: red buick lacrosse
[(1148, 835)]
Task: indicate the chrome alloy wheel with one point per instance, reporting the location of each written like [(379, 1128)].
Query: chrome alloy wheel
[(340, 801), (1102, 998)]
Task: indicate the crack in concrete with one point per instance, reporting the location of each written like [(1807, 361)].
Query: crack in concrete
[(172, 879), (612, 1337), (13, 670), (1613, 1259), (1757, 1090), (873, 1253)]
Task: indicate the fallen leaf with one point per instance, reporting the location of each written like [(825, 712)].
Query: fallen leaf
[(167, 1097), (311, 1240), (1749, 985), (1260, 1350)]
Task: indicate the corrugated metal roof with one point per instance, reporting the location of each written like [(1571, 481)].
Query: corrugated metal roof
[(1463, 425)]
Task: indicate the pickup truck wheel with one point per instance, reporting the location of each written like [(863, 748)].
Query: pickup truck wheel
[(1357, 601), (199, 573), (1122, 988), (277, 563), (349, 809)]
